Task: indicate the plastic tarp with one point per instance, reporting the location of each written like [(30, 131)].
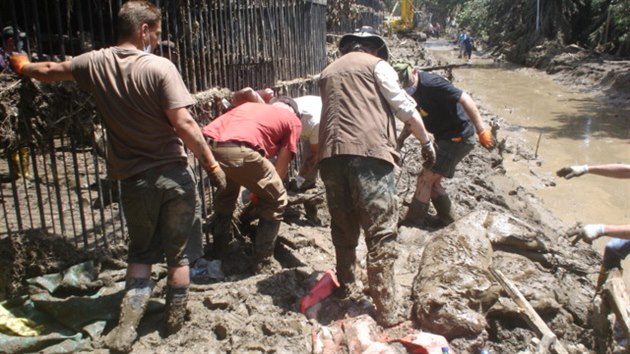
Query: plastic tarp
[(71, 308)]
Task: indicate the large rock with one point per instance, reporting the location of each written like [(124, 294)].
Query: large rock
[(452, 288)]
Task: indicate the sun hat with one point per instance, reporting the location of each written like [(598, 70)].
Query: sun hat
[(364, 34)]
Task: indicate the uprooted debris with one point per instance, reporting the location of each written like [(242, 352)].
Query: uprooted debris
[(444, 278)]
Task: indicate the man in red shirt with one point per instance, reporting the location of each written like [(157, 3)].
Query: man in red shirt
[(242, 140)]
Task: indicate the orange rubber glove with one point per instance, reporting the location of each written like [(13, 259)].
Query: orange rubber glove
[(486, 139), (18, 62)]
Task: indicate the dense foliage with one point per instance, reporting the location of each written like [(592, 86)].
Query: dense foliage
[(602, 25)]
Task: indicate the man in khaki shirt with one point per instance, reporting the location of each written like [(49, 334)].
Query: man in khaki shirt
[(357, 144), (144, 104)]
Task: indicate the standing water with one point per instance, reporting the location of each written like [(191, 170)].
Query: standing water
[(567, 127)]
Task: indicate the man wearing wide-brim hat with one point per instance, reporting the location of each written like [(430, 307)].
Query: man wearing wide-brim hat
[(357, 139)]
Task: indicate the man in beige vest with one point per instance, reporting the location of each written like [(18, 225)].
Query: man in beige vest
[(357, 140), (144, 104)]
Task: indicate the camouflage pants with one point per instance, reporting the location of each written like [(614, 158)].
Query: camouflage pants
[(361, 193)]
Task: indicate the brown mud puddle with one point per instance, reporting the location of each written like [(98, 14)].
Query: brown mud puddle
[(565, 125)]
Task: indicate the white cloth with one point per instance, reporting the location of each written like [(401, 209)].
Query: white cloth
[(310, 108), (403, 105)]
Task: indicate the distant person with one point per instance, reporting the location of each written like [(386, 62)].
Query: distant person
[(19, 156), (243, 139), (10, 44), (451, 115), (619, 246), (357, 136), (469, 45), (460, 43), (144, 104), (310, 110)]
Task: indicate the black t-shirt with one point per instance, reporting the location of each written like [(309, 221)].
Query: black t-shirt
[(437, 100)]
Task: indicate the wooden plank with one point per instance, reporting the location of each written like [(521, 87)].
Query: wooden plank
[(549, 339), (616, 294)]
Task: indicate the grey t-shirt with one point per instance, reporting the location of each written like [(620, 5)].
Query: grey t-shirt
[(132, 90)]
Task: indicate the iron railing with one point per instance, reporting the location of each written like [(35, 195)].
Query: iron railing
[(226, 44)]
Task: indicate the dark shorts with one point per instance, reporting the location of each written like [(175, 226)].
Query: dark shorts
[(450, 153), (163, 215), (616, 250)]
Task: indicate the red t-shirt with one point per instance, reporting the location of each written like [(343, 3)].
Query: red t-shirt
[(261, 125)]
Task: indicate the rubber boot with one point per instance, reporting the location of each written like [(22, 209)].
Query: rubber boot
[(25, 159), (20, 161), (416, 214), (264, 246), (443, 206), (175, 313), (380, 271), (223, 240), (132, 309)]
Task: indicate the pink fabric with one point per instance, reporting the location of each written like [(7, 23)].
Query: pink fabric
[(260, 125)]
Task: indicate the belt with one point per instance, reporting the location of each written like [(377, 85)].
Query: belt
[(157, 169), (230, 143)]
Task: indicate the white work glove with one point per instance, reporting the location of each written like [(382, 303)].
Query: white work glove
[(572, 171), (299, 181), (587, 233)]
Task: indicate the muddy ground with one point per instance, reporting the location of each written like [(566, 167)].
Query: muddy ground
[(444, 284)]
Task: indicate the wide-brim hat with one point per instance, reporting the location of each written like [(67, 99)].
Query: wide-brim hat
[(365, 33)]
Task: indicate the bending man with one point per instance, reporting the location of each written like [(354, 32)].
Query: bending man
[(451, 115)]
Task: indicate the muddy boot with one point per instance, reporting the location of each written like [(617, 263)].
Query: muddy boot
[(416, 214), (223, 242), (442, 205), (264, 245), (175, 313), (381, 279), (601, 278), (132, 309)]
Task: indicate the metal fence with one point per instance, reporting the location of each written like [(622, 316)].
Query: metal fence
[(227, 43), (52, 175)]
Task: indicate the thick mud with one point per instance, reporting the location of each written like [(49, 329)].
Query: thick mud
[(444, 281)]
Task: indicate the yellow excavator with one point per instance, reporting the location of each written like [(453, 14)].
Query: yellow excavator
[(405, 24)]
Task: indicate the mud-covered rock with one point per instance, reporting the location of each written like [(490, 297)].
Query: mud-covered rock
[(452, 287)]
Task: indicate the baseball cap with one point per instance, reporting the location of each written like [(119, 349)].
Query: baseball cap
[(404, 71), (289, 102)]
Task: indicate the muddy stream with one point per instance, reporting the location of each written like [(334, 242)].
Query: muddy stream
[(566, 126)]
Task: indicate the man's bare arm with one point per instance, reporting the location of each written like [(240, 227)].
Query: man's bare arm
[(188, 130)]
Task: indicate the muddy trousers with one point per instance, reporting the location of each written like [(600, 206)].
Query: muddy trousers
[(132, 308), (361, 193)]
